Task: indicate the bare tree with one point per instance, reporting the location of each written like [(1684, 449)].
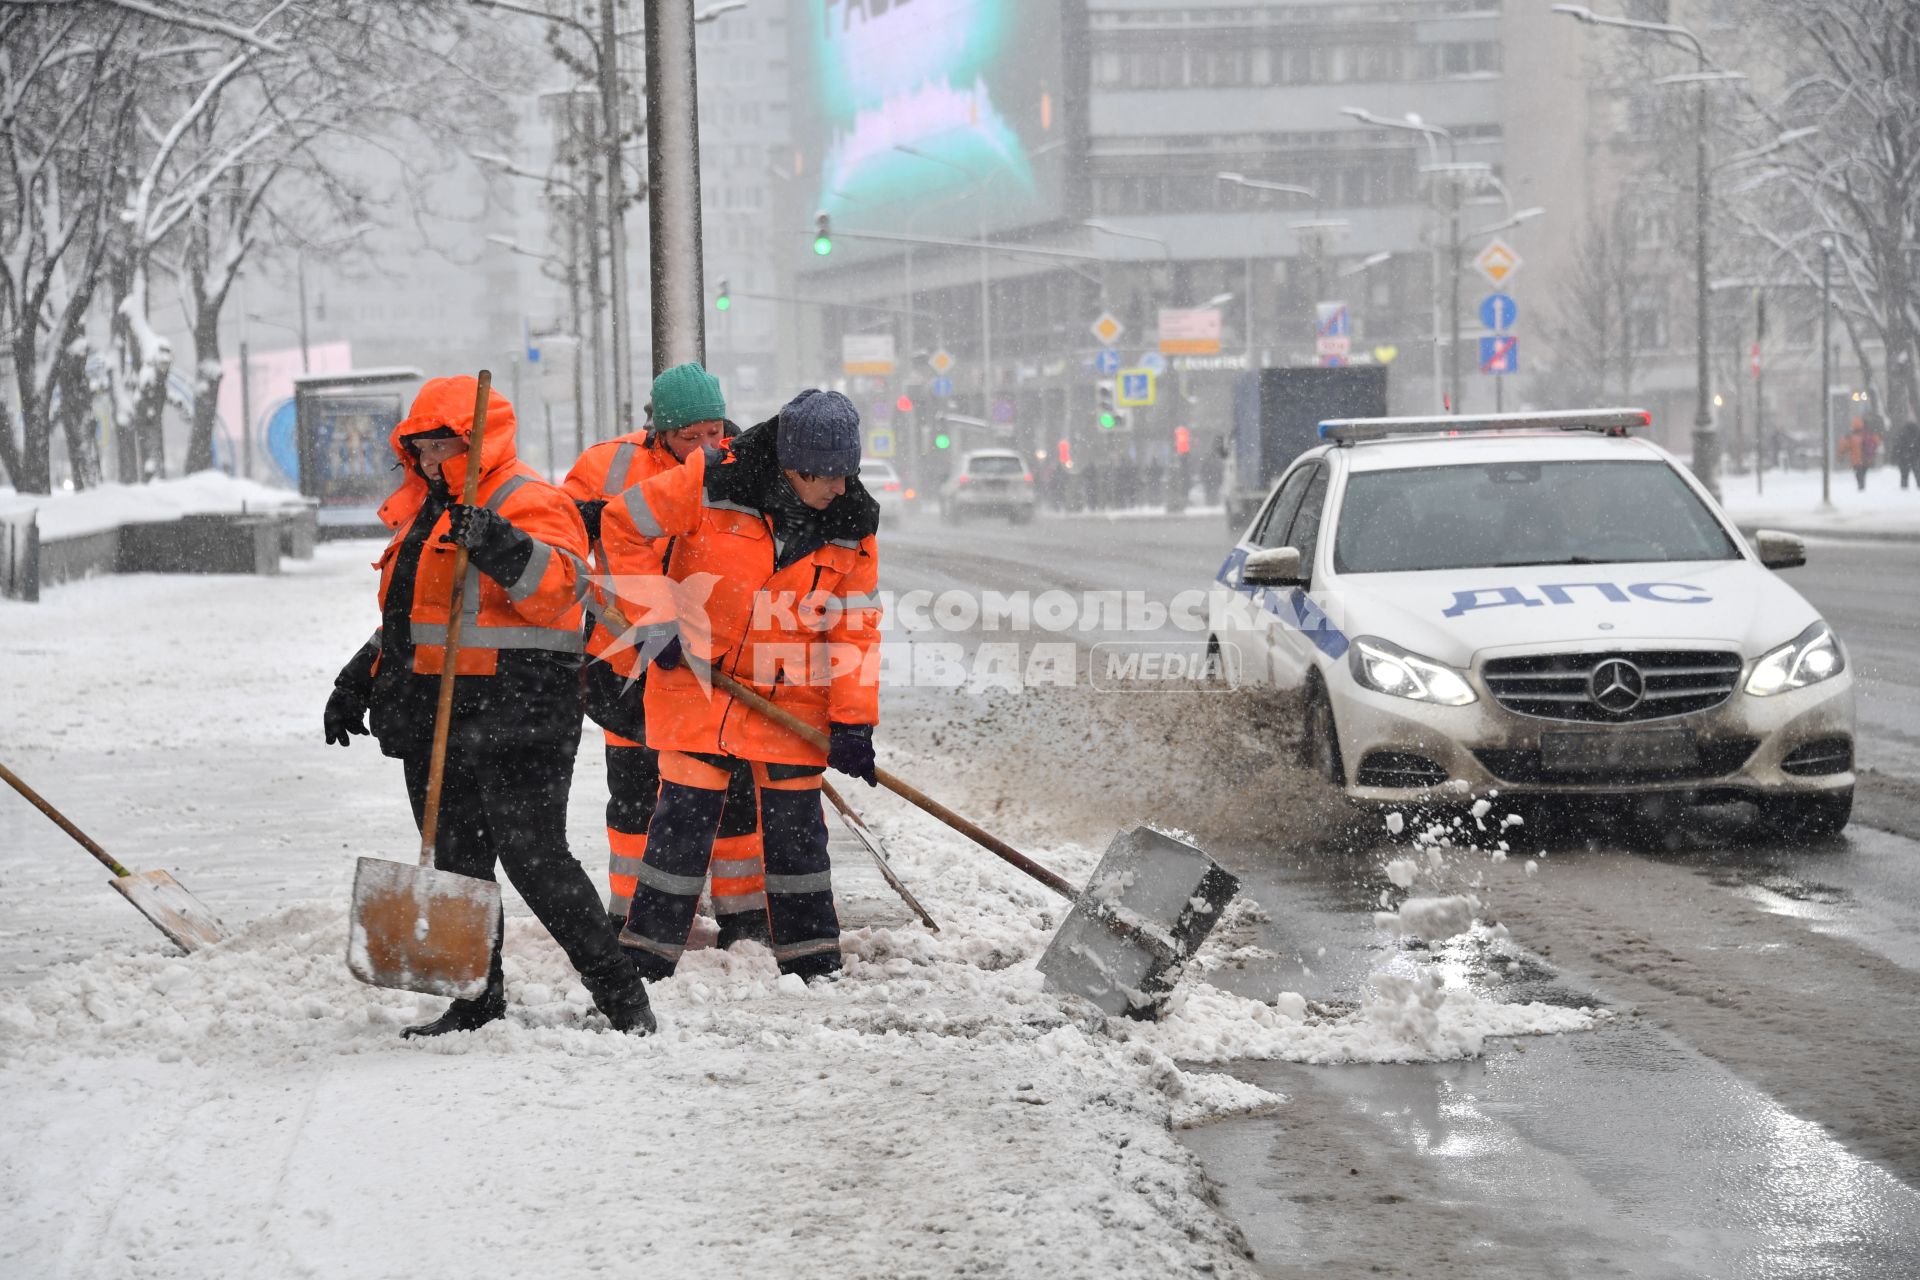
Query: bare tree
[(1591, 331)]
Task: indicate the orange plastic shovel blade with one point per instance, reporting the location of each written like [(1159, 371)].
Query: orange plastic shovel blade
[(415, 928)]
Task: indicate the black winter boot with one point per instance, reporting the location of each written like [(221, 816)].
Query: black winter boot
[(741, 926), (463, 1015), (622, 996)]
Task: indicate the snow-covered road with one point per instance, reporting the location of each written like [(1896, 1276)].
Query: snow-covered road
[(251, 1110)]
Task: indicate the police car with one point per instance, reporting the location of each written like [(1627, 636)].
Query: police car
[(1535, 603)]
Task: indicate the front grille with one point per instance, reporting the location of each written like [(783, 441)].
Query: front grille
[(1718, 758), (1560, 686), (1399, 769), (1819, 758)]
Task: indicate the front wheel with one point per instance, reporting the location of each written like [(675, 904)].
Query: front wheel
[(1320, 746), (1804, 819)]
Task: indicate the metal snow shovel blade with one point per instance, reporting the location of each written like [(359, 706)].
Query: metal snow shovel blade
[(1152, 902), (864, 834), (419, 928), (158, 896)]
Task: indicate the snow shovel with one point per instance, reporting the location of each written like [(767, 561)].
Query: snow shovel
[(419, 928), (1151, 903), (861, 832), (157, 895)]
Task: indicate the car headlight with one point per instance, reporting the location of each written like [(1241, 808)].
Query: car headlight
[(1808, 658), (1389, 669)]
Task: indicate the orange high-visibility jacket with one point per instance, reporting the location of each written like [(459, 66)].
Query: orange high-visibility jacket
[(805, 635), (603, 473), (540, 610)]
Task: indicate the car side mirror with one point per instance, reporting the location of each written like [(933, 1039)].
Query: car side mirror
[(1274, 567), (1779, 550)]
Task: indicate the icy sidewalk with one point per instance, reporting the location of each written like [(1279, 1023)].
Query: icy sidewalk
[(251, 1110), (1791, 502)]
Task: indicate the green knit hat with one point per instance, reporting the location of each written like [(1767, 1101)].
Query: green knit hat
[(684, 395)]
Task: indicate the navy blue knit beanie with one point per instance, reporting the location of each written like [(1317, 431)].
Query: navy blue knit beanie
[(820, 434)]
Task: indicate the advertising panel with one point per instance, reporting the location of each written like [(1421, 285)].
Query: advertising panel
[(950, 112)]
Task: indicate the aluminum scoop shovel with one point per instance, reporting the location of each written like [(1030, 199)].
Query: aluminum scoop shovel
[(158, 896), (419, 928)]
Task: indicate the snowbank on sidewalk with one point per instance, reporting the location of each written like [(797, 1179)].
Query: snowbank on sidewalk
[(71, 515), (1791, 501)]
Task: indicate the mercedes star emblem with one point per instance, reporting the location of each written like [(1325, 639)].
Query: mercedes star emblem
[(1616, 686)]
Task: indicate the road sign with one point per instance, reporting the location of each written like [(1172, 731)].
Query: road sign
[(1333, 346), (1108, 329), (1497, 262), (866, 354), (1107, 362), (1003, 410), (880, 443), (1500, 354), (1190, 331), (1498, 311), (1152, 360), (940, 362), (943, 387), (1136, 387), (1332, 320)]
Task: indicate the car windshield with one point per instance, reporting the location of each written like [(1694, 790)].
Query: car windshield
[(1522, 513), (995, 465)]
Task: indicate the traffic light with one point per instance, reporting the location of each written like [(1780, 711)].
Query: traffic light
[(721, 300), (822, 234), (1182, 440), (1103, 399), (943, 441), (1064, 450), (904, 404)]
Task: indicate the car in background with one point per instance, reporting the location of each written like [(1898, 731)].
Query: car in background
[(879, 478), (1535, 604), (989, 482)]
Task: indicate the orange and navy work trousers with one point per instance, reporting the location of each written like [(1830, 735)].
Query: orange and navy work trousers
[(633, 785), (682, 842)]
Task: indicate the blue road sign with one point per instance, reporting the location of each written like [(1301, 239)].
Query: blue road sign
[(1498, 311), (1332, 320), (1107, 362), (943, 386), (1152, 360), (1500, 353)]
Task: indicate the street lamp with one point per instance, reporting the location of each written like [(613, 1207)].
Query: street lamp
[(1434, 134), (1258, 184), (1706, 441)]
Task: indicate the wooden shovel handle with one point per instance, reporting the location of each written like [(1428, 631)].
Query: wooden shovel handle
[(450, 653), (905, 790), (60, 820)]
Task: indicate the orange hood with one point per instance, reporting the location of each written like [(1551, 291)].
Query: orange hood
[(448, 402)]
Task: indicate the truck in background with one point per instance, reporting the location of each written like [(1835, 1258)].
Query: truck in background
[(1276, 418)]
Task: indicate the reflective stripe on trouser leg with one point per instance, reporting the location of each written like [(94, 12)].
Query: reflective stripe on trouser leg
[(739, 874), (800, 914), (679, 845), (633, 782)]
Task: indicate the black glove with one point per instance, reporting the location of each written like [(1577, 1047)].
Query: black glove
[(346, 714), (493, 545), (668, 659), (850, 750), (590, 516)]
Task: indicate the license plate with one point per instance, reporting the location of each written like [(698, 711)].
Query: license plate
[(1638, 749)]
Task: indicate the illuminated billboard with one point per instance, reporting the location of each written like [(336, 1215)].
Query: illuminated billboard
[(933, 117)]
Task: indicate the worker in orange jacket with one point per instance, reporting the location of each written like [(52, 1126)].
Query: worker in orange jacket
[(1860, 448), (687, 412), (516, 711), (773, 574)]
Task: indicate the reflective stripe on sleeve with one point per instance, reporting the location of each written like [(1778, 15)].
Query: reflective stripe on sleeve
[(534, 574), (641, 514), (504, 492), (683, 886), (817, 882)]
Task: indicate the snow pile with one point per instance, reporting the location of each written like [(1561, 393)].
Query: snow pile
[(1791, 500), (72, 515)]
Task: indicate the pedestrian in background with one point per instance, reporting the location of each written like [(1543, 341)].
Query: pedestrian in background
[(1859, 449), (1906, 450), (516, 705)]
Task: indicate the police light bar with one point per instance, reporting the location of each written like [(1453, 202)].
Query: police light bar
[(1612, 422)]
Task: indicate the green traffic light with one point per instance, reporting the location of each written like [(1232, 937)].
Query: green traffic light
[(722, 303), (1106, 421), (942, 441), (823, 245)]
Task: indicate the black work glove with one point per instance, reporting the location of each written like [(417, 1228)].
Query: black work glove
[(494, 546), (590, 516), (668, 659), (850, 750), (346, 714)]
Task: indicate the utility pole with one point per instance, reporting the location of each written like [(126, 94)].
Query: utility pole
[(673, 182), (1826, 373), (1706, 441), (1759, 393), (246, 414), (609, 69)]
